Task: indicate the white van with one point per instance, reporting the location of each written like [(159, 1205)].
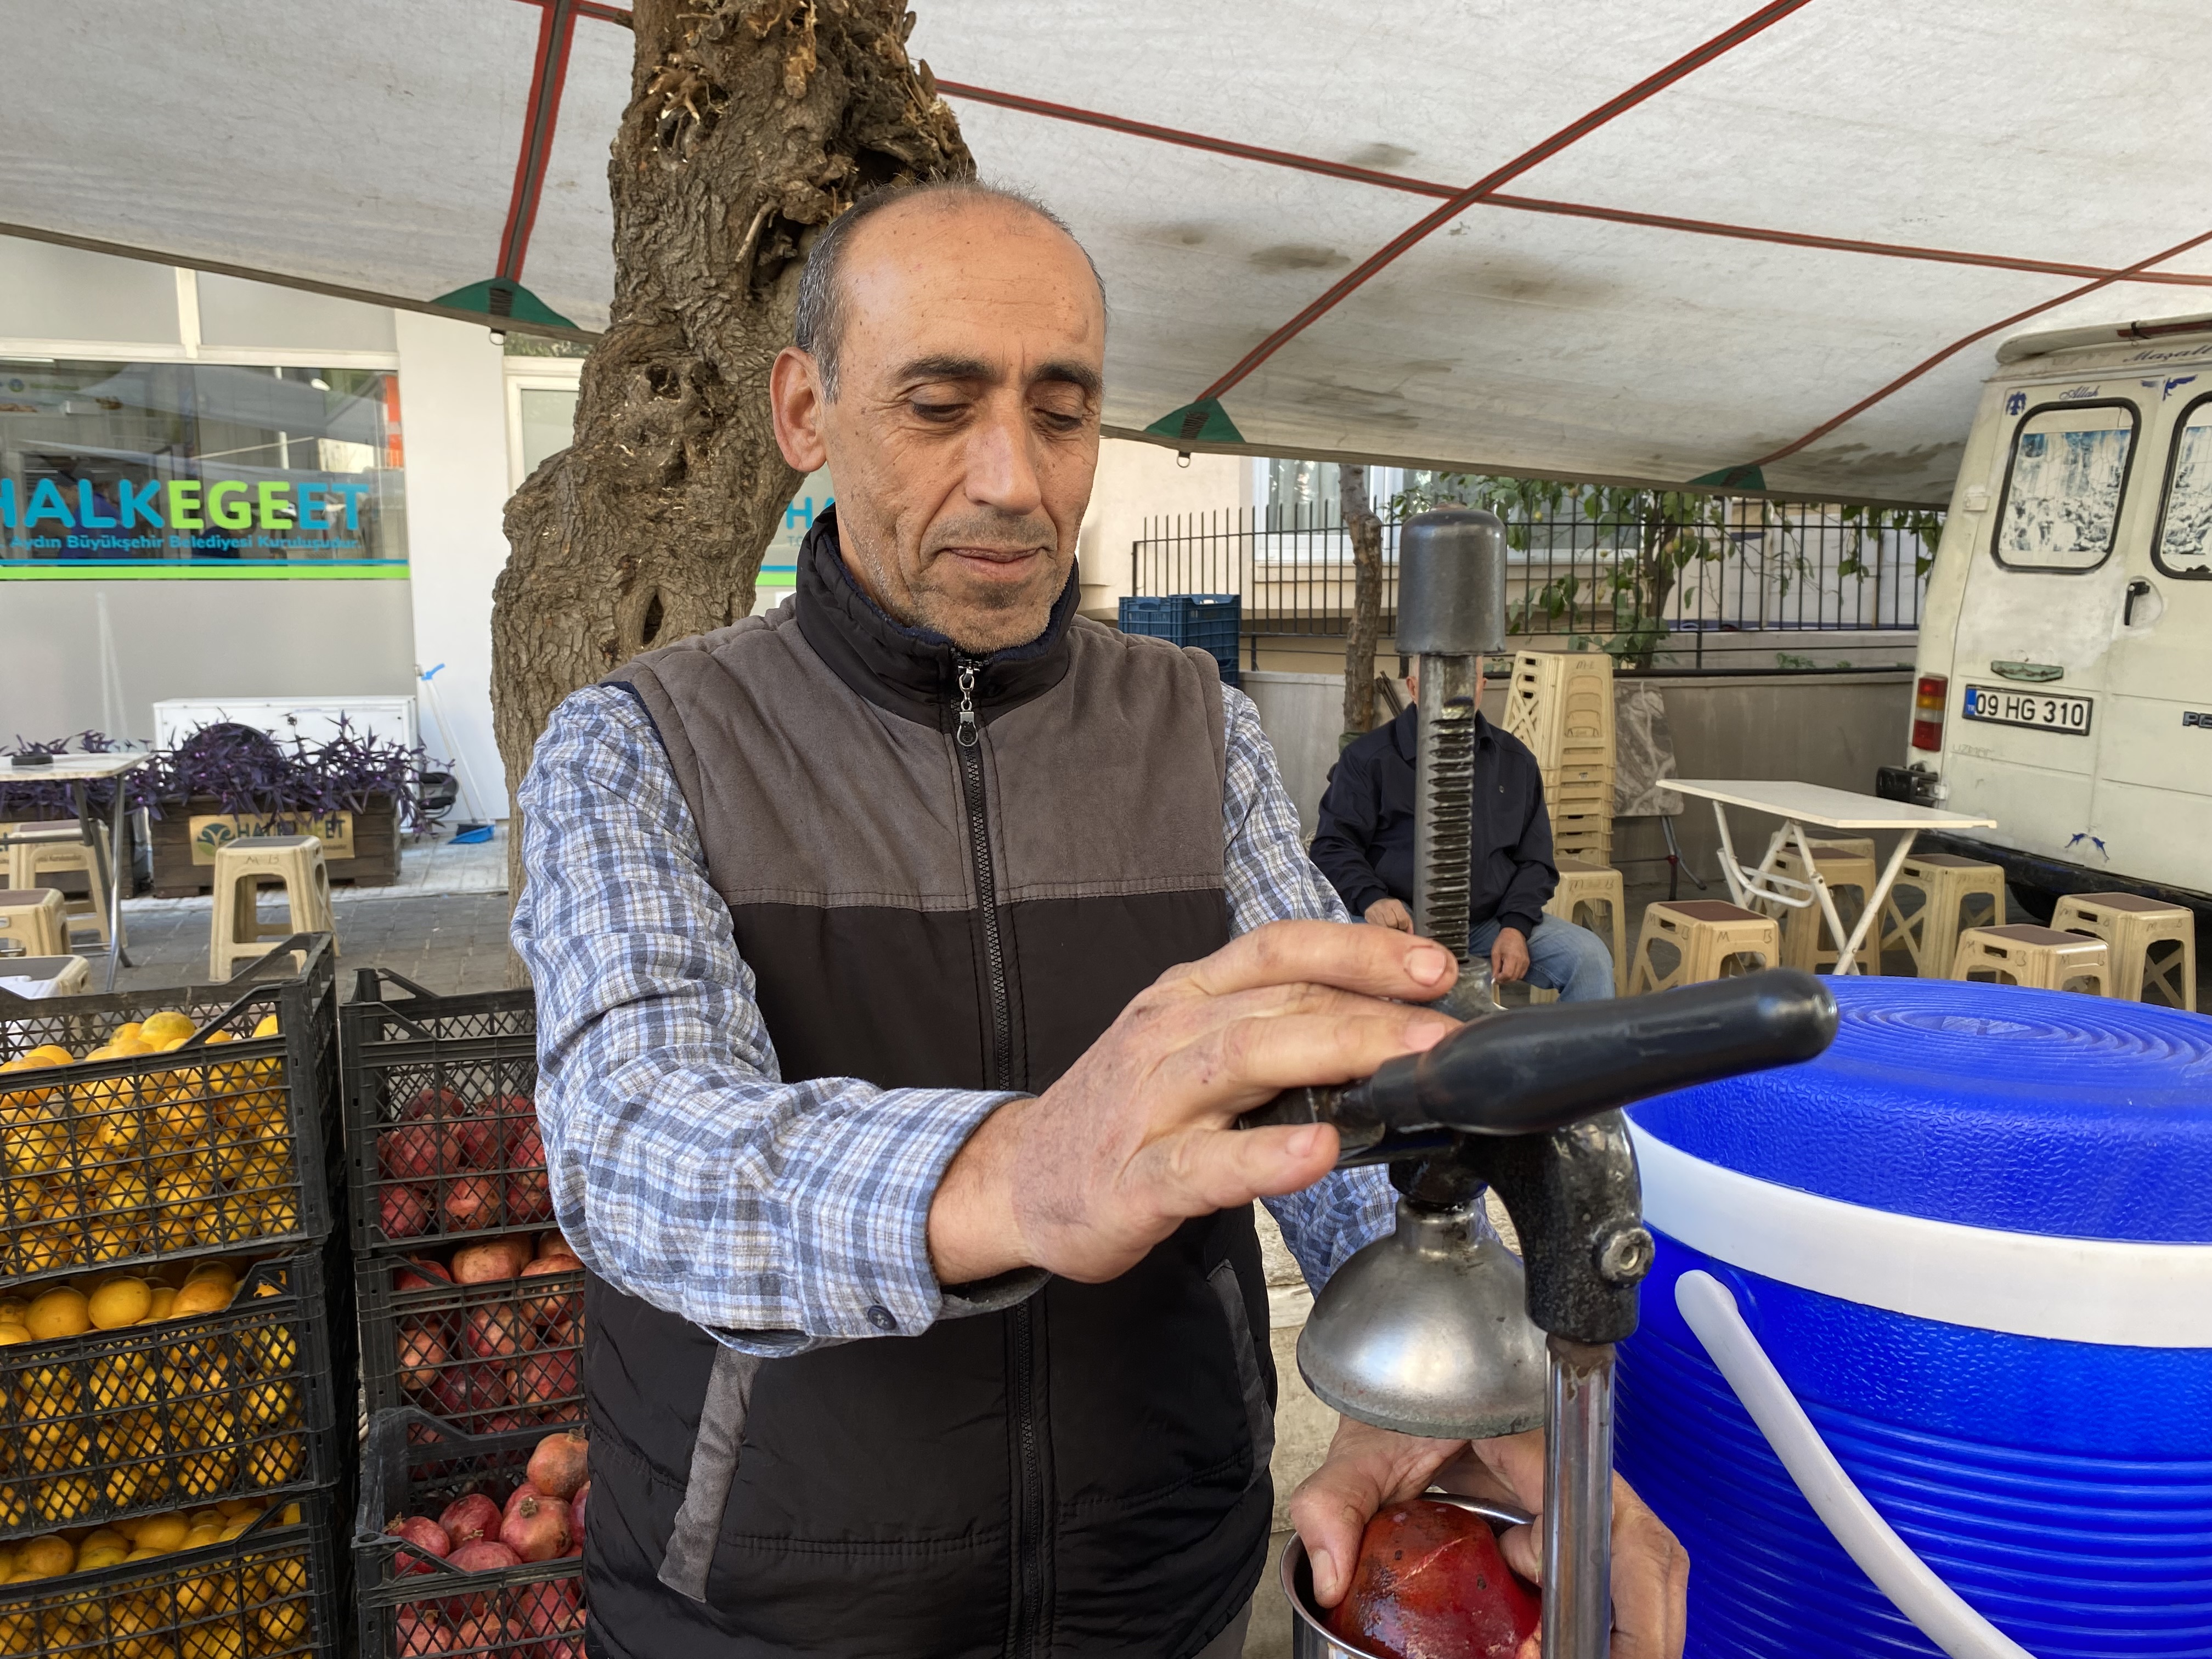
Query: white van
[(2065, 684)]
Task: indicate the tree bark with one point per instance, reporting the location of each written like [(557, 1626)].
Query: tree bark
[(1364, 531), (751, 124)]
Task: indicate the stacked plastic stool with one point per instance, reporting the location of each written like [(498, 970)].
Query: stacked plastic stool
[(1559, 704), (2152, 944)]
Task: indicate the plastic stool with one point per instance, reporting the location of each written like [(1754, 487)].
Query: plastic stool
[(1710, 938), (33, 917), (1805, 942), (1583, 883), (2042, 957), (2132, 927), (1947, 885), (241, 867), (49, 848), (62, 976)]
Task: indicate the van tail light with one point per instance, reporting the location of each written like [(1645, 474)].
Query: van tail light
[(1928, 701)]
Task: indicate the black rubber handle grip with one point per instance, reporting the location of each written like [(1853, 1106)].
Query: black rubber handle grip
[(1544, 1068)]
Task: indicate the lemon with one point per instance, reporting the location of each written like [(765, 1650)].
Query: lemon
[(171, 1025), (22, 1202), (218, 1268), (164, 1302), (12, 1309), (11, 1335), (201, 1297), (36, 1143), (275, 1462), (51, 1054), (92, 1558), (218, 1641), (73, 1495), (285, 1624), (118, 1303), (266, 1026), (160, 1533), (46, 1557), (60, 1312), (271, 1405)]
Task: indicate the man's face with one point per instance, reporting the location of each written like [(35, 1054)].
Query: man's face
[(964, 432)]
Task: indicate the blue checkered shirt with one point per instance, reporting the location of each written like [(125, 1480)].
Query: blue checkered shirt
[(685, 1170)]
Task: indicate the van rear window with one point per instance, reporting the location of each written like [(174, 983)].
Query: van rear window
[(2064, 485), (2183, 544)]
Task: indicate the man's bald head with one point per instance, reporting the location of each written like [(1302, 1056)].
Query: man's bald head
[(819, 327), (949, 373)]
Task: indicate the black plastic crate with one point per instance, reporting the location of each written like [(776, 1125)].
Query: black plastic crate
[(184, 1413), (230, 1140), (274, 1592), (411, 1605), (483, 1358), (440, 1119)]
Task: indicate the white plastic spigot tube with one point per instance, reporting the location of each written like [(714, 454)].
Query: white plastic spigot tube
[(1710, 1309)]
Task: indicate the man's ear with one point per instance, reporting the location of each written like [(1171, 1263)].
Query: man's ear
[(796, 404)]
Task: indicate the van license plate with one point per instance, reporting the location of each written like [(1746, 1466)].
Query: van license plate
[(2044, 712)]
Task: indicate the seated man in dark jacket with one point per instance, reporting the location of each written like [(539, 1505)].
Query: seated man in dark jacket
[(1364, 846)]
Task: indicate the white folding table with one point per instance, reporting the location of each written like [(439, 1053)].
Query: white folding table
[(1798, 805), (77, 771)]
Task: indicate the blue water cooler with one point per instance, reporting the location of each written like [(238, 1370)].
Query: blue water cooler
[(1965, 1258)]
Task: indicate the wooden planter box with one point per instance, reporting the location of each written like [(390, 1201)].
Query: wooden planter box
[(177, 874)]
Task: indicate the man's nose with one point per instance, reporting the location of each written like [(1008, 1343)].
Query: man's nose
[(1001, 468)]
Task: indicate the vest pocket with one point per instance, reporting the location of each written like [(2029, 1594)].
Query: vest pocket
[(1259, 1416)]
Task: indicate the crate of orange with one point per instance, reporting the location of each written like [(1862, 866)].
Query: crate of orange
[(141, 1126), (249, 1579), (128, 1392)]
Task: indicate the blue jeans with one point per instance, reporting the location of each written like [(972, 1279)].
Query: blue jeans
[(1563, 957)]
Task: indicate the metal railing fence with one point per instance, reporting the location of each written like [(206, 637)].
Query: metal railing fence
[(1634, 578)]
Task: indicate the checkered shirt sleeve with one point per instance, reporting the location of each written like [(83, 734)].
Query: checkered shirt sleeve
[(685, 1171)]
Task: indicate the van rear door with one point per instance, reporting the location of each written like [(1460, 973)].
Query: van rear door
[(2037, 616), (2152, 808)]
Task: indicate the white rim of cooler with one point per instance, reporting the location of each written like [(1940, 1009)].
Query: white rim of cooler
[(2115, 1293)]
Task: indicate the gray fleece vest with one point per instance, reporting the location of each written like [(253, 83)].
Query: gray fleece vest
[(1069, 1469)]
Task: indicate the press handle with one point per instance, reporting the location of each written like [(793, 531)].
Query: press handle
[(1545, 1068)]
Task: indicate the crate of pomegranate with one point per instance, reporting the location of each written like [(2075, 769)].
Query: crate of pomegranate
[(138, 1127), (470, 1544), (488, 1335), (440, 1125), (247, 1578), (128, 1392)]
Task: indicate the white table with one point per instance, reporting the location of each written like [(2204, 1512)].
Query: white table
[(1801, 803), (77, 771)]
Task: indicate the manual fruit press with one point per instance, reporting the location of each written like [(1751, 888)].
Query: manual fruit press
[(1438, 1330)]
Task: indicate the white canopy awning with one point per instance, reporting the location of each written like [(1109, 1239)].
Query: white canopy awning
[(1687, 240)]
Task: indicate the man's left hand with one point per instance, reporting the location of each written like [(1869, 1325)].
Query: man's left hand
[(1508, 957), (1367, 1469)]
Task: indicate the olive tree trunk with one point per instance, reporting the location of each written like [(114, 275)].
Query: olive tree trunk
[(751, 124), (1364, 531)]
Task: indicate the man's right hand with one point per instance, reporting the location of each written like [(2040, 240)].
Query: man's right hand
[(1138, 1135), (1390, 913)]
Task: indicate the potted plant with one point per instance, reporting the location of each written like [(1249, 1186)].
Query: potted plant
[(360, 793)]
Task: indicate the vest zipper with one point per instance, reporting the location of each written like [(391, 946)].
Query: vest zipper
[(1024, 1632), (968, 737)]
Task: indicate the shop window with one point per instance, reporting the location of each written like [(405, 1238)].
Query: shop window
[(137, 464), (2184, 543), (2064, 486)]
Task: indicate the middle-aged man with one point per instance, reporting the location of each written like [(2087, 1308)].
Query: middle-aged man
[(1363, 844), (902, 959)]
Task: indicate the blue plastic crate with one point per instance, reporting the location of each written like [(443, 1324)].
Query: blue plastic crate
[(1209, 621)]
